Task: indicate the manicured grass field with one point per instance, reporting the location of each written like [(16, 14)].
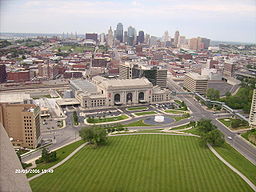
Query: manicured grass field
[(143, 163), (61, 154), (108, 119), (174, 111), (145, 113), (137, 123), (238, 161), (180, 118), (136, 108)]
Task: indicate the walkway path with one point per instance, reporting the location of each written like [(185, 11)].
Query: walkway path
[(232, 168), (60, 163)]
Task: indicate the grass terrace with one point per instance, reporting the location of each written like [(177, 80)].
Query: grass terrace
[(136, 108), (143, 163), (145, 113), (107, 119), (137, 124), (174, 111)]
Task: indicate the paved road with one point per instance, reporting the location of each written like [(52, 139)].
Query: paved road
[(246, 149)]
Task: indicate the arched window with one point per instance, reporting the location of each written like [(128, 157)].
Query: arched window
[(117, 97), (129, 97), (141, 96)]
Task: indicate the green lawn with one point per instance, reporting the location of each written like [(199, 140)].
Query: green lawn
[(61, 154), (108, 119), (145, 113), (228, 124), (136, 124), (238, 161), (181, 127), (250, 135), (180, 117), (174, 111), (136, 108), (143, 163)]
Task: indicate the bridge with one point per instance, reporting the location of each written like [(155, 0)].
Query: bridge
[(222, 104)]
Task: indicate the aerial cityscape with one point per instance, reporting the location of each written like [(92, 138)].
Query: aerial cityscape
[(127, 96)]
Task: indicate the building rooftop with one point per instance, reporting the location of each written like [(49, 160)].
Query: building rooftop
[(14, 97), (84, 85), (140, 82), (197, 76)]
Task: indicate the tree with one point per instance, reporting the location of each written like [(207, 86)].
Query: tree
[(47, 156), (228, 94), (213, 94), (75, 118), (94, 135), (214, 138), (87, 134), (205, 125)]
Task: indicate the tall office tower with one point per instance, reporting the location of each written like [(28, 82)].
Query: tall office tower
[(252, 117), (176, 38), (140, 38), (125, 37), (196, 83), (110, 41), (119, 32), (206, 43), (182, 41), (131, 35), (102, 39), (193, 43), (166, 36), (154, 74), (229, 69), (22, 123), (3, 74), (125, 71)]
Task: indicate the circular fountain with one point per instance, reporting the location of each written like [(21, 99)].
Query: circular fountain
[(159, 118)]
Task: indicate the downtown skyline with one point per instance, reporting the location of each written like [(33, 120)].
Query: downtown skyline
[(218, 20)]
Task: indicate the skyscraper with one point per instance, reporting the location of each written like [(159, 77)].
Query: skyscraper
[(110, 38), (176, 38), (125, 37), (166, 36), (119, 32), (141, 37), (131, 35)]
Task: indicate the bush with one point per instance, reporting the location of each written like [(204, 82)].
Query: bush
[(40, 160), (25, 165)]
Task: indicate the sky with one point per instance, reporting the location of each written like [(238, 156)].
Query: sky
[(225, 20)]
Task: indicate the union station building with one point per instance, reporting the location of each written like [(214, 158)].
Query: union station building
[(101, 92)]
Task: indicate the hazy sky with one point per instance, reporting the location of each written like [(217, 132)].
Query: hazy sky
[(230, 20)]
